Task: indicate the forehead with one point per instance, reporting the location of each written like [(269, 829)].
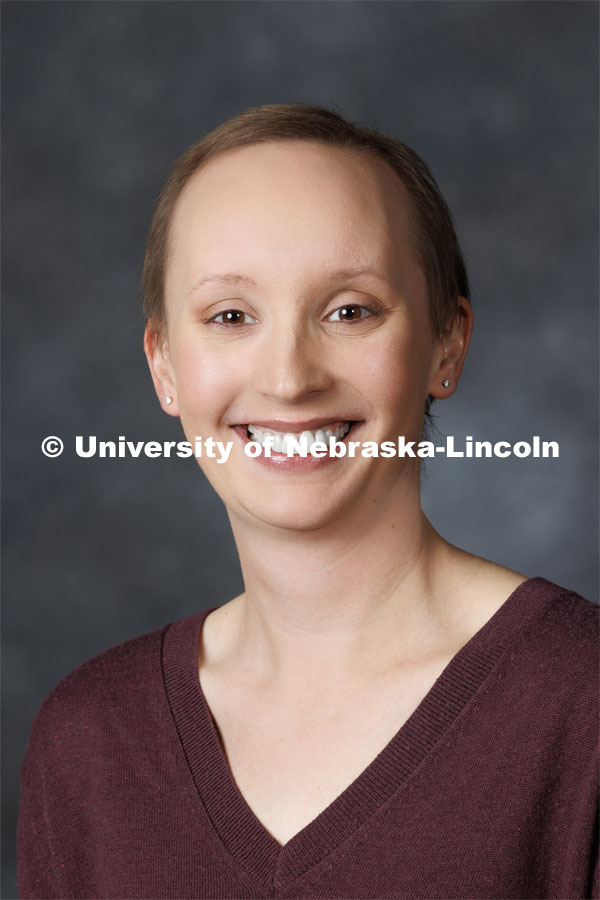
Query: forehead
[(292, 206)]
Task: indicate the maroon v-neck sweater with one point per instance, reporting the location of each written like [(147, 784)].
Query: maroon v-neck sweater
[(489, 790)]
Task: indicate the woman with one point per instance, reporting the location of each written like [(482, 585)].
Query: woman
[(379, 714)]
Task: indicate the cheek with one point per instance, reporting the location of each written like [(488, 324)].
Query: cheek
[(206, 382), (393, 370)]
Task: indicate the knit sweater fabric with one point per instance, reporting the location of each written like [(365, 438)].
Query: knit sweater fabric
[(489, 789)]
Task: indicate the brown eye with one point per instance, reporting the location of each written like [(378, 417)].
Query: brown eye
[(233, 317), (350, 313)]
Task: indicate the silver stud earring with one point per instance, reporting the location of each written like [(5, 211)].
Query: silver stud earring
[(446, 382), (168, 400)]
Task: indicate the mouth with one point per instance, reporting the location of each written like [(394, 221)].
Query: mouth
[(289, 442)]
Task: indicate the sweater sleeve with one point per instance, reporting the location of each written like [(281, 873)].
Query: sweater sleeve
[(34, 859), (34, 875), (80, 757), (595, 894), (57, 770)]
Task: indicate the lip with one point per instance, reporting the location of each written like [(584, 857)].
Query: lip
[(281, 462), (297, 425)]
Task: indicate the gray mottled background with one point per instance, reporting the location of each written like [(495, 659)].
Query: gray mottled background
[(98, 100)]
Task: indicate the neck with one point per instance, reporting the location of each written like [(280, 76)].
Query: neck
[(330, 603)]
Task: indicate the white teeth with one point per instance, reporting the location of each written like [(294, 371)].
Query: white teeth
[(279, 441), (287, 443)]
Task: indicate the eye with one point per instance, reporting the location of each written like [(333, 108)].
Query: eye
[(233, 317), (349, 313)]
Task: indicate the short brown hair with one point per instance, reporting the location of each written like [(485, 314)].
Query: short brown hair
[(436, 242)]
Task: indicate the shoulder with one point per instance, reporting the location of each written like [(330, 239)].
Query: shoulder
[(567, 622), (555, 624), (568, 637), (549, 638), (112, 689), (109, 672), (556, 656), (557, 616), (553, 620)]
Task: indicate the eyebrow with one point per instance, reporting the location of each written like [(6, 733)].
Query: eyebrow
[(235, 278), (229, 278)]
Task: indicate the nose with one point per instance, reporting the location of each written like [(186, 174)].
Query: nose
[(291, 365)]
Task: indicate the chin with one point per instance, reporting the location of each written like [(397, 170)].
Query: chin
[(305, 513)]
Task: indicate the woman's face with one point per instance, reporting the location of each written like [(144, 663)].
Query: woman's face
[(295, 302)]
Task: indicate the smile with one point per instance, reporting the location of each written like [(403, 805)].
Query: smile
[(287, 441)]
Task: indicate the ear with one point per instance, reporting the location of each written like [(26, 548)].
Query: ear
[(157, 355), (453, 346)]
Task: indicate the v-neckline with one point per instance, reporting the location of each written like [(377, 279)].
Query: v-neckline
[(244, 836)]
